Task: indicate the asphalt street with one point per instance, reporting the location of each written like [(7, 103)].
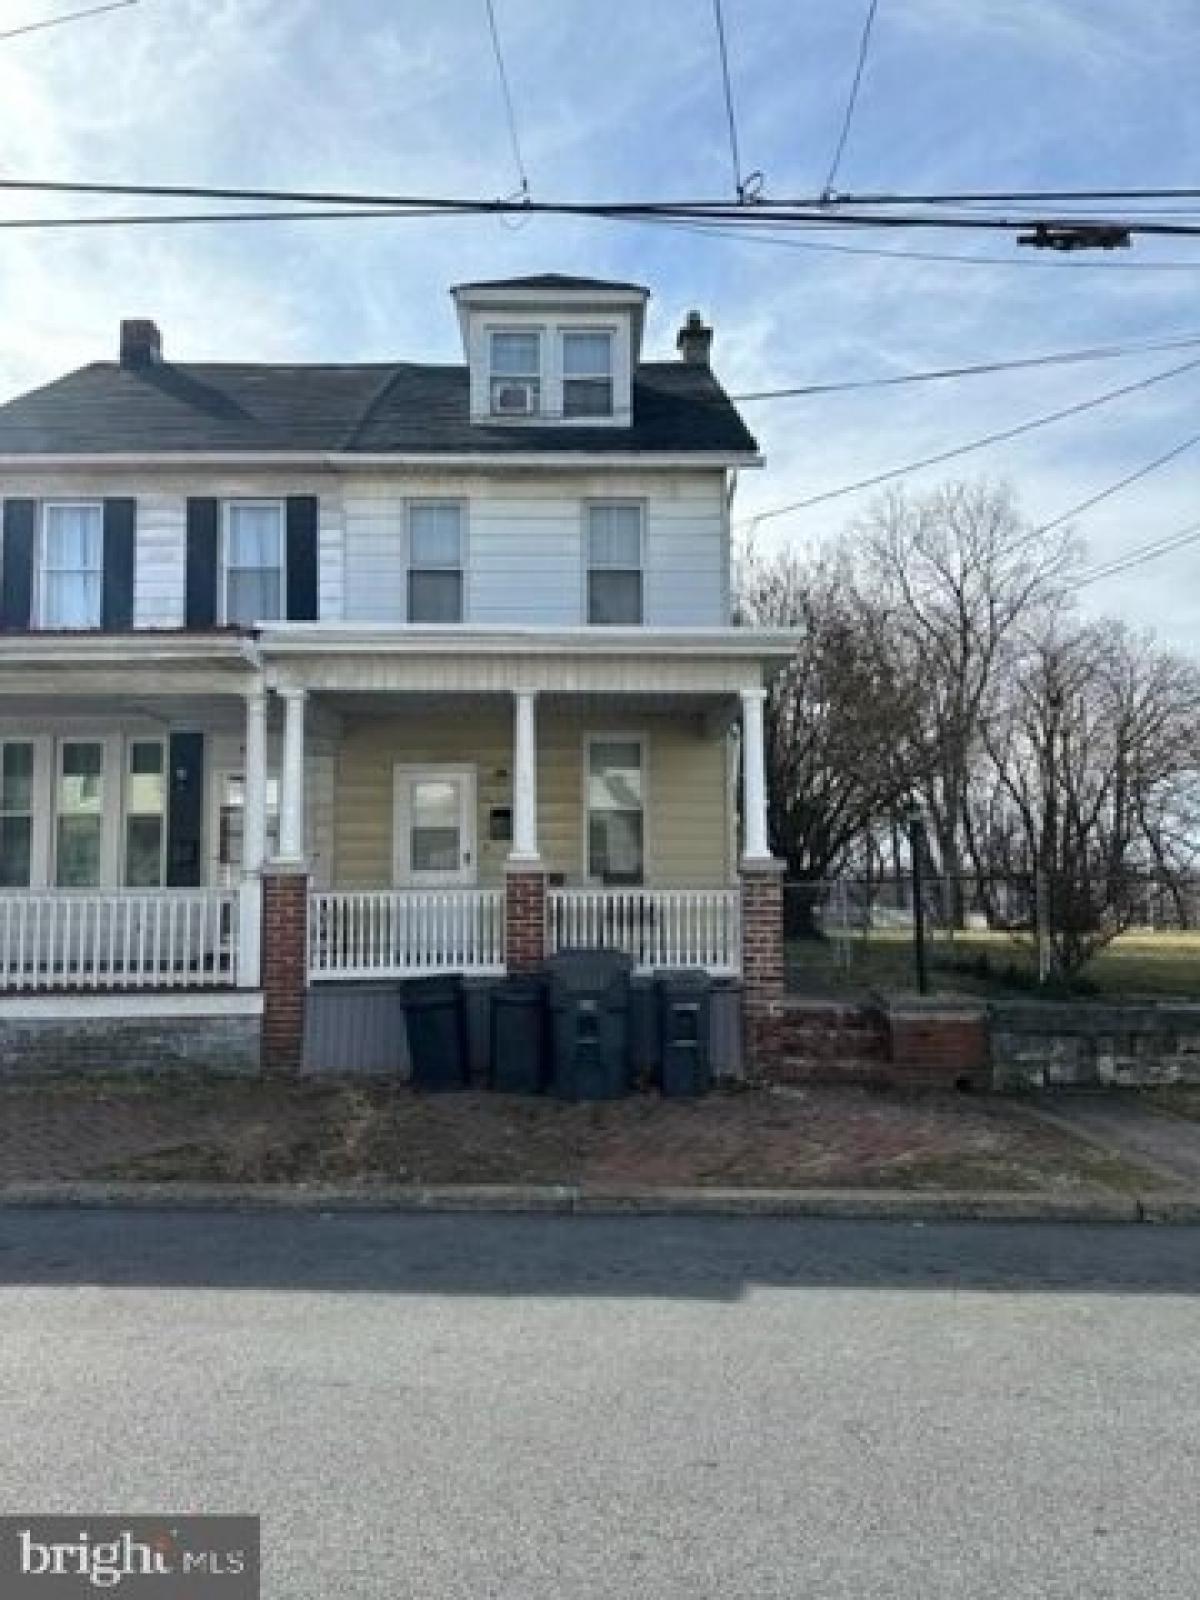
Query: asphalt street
[(551, 1408)]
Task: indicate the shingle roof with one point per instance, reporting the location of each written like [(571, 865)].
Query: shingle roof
[(553, 280), (106, 409)]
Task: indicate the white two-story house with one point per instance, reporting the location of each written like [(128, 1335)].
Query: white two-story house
[(401, 630)]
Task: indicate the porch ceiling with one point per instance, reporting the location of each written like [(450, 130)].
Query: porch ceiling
[(710, 704)]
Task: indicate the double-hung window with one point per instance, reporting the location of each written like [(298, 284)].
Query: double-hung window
[(435, 561), (16, 813), (72, 564), (145, 813), (516, 373), (614, 555), (79, 814), (615, 810), (587, 382), (253, 562)]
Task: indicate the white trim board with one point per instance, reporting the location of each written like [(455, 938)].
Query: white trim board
[(129, 1006)]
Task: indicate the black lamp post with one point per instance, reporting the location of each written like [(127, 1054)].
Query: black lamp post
[(916, 845)]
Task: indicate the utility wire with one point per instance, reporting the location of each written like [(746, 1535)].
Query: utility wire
[(1058, 358), (1121, 483), (730, 114), (509, 108), (864, 45), (69, 16), (1141, 555), (1000, 437)]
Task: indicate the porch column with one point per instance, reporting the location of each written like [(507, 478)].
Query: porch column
[(524, 834), (285, 907), (524, 875), (254, 842), (754, 777), (762, 898), (291, 780)]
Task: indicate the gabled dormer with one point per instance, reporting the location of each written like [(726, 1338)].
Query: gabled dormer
[(552, 349)]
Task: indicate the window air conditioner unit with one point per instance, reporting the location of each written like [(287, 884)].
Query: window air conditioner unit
[(515, 399)]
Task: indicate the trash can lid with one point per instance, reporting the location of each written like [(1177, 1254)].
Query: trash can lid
[(680, 980), (441, 989)]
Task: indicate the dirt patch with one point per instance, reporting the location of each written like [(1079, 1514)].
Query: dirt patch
[(373, 1135)]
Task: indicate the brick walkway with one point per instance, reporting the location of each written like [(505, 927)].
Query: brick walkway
[(248, 1132)]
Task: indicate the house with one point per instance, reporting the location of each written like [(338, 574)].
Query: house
[(314, 673)]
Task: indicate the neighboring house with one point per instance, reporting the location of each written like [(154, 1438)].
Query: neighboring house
[(443, 653)]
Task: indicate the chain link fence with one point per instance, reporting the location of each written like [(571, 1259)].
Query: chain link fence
[(987, 933)]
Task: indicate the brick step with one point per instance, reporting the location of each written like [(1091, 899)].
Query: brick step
[(847, 1069)]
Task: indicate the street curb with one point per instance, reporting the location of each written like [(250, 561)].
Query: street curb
[(1163, 1206)]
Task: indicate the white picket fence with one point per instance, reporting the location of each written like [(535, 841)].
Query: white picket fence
[(657, 927), (379, 933), (118, 939)]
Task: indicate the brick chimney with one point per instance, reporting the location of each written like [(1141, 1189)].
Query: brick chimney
[(694, 341), (141, 344)]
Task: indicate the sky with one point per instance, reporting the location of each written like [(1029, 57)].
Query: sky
[(622, 100)]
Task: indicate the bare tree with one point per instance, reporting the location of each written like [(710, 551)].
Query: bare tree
[(835, 764), (1096, 743), (956, 573)]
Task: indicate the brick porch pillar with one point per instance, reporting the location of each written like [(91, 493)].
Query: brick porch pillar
[(524, 917), (762, 961), (284, 968)]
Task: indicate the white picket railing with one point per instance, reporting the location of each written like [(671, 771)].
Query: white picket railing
[(118, 938), (657, 927), (377, 933)]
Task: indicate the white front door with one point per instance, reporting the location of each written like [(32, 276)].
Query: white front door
[(435, 826), (227, 826)]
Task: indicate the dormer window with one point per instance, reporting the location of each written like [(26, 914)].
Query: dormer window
[(516, 374), (587, 374)]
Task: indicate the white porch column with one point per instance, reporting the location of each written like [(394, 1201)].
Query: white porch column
[(524, 831), (291, 778), (754, 777), (254, 842)]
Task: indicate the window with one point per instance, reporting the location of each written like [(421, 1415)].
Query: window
[(16, 813), (516, 374), (79, 812), (615, 831), (145, 813), (72, 565), (614, 540), (253, 562), (435, 578), (587, 388)]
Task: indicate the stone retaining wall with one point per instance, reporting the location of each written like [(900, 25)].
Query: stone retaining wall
[(1055, 1045), (69, 1046)]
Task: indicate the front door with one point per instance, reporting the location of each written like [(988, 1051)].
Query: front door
[(435, 826), (228, 826)]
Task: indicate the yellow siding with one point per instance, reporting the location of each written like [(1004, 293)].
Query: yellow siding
[(687, 789)]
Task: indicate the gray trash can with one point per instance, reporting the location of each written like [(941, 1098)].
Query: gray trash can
[(437, 1043), (519, 1035), (589, 1023), (684, 1006)]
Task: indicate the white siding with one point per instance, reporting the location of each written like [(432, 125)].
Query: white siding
[(158, 572), (525, 550)]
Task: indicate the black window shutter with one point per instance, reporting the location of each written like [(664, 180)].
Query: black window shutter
[(302, 558), (120, 519), (200, 603), (185, 816), (16, 580)]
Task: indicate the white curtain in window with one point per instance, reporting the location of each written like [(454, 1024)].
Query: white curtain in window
[(254, 562), (615, 536), (587, 355), (72, 566), (435, 535)]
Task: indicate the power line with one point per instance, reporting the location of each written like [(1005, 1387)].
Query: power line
[(1016, 196), (864, 45), (1121, 483), (730, 114), (1141, 555), (509, 108), (69, 16), (1058, 358), (999, 437)]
